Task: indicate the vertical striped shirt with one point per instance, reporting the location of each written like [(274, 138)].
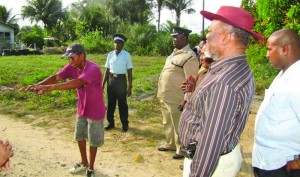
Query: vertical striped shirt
[(216, 113)]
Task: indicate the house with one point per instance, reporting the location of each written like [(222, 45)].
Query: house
[(6, 34)]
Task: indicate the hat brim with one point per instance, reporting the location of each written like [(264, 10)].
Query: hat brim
[(174, 34), (66, 55), (212, 16)]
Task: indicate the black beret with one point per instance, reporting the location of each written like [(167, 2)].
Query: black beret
[(178, 30)]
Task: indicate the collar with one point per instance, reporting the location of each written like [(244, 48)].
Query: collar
[(183, 50), (219, 65)]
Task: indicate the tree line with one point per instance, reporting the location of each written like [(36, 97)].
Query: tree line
[(93, 22)]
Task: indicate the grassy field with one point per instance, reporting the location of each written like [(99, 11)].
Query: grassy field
[(56, 108)]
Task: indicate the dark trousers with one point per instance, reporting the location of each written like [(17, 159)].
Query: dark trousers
[(281, 172), (116, 92)]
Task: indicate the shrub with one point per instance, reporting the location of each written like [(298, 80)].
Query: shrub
[(194, 40), (53, 50), (163, 44), (94, 42), (263, 71)]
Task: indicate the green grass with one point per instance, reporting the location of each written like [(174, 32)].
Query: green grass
[(52, 109)]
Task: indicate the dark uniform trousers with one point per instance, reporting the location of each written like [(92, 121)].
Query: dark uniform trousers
[(116, 92), (281, 172)]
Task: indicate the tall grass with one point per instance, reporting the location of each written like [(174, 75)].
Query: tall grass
[(18, 71)]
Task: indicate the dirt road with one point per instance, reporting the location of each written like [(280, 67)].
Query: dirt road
[(51, 153)]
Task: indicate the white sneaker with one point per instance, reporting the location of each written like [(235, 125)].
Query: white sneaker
[(79, 167)]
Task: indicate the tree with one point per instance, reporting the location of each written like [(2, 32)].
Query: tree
[(132, 11), (159, 8), (9, 19), (32, 36), (6, 17), (272, 15), (91, 17), (179, 6), (47, 11), (159, 5)]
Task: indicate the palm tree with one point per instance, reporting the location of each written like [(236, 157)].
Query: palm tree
[(50, 12), (6, 16), (179, 6), (160, 4)]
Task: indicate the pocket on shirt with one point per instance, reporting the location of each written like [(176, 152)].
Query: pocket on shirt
[(279, 109)]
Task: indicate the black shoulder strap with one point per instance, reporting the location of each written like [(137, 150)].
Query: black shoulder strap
[(181, 66)]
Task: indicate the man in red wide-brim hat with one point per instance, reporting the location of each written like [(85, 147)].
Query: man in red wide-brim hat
[(214, 118)]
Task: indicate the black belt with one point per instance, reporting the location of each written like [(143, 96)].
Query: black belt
[(117, 75), (189, 152)]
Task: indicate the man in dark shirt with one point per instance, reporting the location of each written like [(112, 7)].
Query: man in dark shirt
[(215, 115)]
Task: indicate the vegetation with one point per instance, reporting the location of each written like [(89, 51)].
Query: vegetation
[(60, 105), (57, 109), (179, 6), (92, 23)]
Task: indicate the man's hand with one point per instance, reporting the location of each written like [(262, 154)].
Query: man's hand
[(39, 89), (181, 106), (183, 86), (6, 152), (292, 165), (27, 88), (129, 92)]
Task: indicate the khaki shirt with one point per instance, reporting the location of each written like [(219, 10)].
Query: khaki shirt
[(179, 65)]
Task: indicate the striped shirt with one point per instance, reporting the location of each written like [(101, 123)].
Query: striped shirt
[(217, 112)]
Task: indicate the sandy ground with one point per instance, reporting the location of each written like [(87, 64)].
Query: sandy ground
[(44, 153)]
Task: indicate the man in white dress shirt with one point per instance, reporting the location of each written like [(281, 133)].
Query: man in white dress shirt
[(277, 130)]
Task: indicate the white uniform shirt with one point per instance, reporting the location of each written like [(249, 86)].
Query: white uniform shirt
[(118, 64), (277, 128)]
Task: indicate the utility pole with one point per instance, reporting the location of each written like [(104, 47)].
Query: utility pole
[(203, 19)]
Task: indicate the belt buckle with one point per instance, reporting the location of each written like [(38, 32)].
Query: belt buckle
[(115, 75)]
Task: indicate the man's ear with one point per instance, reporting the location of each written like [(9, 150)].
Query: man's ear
[(81, 56), (285, 49), (226, 38)]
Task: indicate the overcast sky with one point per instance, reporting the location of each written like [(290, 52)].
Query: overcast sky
[(193, 21)]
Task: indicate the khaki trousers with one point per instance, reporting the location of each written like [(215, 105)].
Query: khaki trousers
[(228, 166), (171, 116)]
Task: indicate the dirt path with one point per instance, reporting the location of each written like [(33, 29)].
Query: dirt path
[(43, 153)]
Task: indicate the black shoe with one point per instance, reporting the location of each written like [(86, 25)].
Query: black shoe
[(109, 126), (164, 149), (124, 128), (90, 173), (178, 156)]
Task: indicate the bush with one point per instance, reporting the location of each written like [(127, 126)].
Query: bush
[(93, 42), (263, 71), (53, 50), (163, 44), (194, 40), (140, 37)]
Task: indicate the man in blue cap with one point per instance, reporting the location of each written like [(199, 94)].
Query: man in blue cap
[(181, 64), (85, 76), (118, 64)]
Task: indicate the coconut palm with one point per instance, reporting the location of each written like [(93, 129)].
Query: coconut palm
[(6, 16), (50, 12), (179, 6)]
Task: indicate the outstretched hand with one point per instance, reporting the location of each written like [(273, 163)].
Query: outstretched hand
[(6, 152), (27, 88), (39, 89)]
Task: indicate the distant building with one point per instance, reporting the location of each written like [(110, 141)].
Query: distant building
[(6, 34)]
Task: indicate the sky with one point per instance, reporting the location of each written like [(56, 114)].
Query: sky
[(192, 21)]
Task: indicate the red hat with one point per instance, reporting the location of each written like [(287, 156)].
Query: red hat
[(235, 16)]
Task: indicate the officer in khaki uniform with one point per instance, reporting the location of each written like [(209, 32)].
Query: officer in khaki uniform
[(181, 64)]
